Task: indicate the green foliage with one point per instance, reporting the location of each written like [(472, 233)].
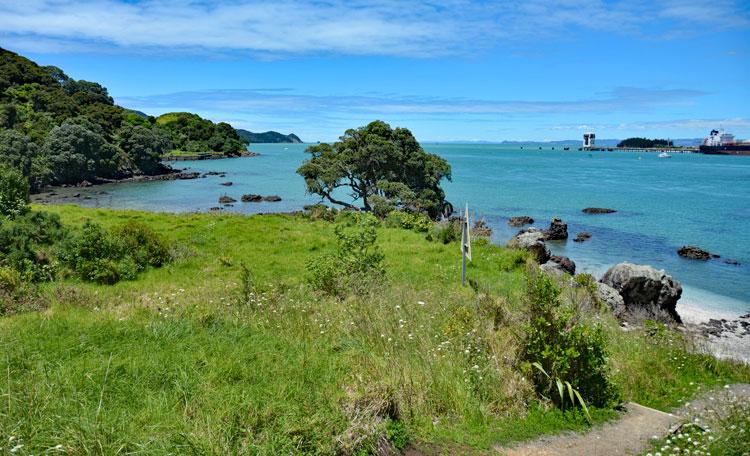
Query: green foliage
[(267, 137), (143, 244), (60, 130), (357, 262), (192, 133), (98, 255), (25, 245), (396, 433), (77, 153), (566, 347), (143, 146), (14, 193), (643, 143), (445, 232), (408, 221), (320, 212), (376, 161)]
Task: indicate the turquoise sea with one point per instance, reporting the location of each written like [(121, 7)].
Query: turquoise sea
[(661, 203)]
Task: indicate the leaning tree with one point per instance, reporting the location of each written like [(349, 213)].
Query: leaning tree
[(378, 168)]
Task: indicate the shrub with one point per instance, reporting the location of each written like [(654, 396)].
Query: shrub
[(14, 193), (24, 241), (143, 244), (408, 221), (98, 255), (446, 231), (320, 212), (565, 346), (357, 262)]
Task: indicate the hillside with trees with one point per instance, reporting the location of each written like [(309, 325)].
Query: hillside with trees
[(58, 130), (268, 137), (643, 143)]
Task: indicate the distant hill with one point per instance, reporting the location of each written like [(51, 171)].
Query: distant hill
[(268, 137)]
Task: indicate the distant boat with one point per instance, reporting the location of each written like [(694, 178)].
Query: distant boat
[(664, 155)]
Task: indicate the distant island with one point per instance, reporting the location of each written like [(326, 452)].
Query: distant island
[(268, 137), (642, 143)]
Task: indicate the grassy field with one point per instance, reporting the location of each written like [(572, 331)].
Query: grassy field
[(176, 363)]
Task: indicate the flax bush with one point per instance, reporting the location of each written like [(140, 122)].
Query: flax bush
[(566, 345)]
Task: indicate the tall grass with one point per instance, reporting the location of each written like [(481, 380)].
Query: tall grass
[(227, 350)]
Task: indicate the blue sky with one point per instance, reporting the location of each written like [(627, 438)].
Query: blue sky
[(452, 70)]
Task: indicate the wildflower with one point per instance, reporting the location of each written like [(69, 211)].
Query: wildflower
[(398, 306), (421, 303)]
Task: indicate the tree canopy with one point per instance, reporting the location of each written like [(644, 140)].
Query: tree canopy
[(644, 142), (378, 168)]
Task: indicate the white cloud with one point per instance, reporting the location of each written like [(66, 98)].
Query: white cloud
[(373, 27), (288, 102)]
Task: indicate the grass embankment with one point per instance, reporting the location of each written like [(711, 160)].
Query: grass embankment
[(174, 362)]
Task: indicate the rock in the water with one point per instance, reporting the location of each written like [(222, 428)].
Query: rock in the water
[(520, 220), (565, 263), (226, 199), (732, 262), (647, 292), (582, 236), (251, 198), (183, 176), (598, 210), (693, 252), (85, 184), (226, 184), (533, 241), (557, 230), (272, 198), (612, 298), (481, 229), (215, 209)]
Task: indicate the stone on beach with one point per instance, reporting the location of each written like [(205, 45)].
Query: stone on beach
[(533, 241), (565, 263), (612, 298), (646, 291)]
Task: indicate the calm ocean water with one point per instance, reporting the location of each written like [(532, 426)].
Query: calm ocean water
[(662, 204)]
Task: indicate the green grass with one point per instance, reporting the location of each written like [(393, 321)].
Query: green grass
[(175, 362)]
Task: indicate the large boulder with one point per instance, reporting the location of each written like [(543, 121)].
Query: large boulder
[(521, 220), (647, 292), (533, 241), (557, 231), (565, 263), (553, 269), (612, 298), (693, 252)]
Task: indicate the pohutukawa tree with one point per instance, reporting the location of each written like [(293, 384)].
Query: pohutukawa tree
[(380, 169)]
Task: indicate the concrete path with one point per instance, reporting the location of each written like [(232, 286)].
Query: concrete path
[(626, 436)]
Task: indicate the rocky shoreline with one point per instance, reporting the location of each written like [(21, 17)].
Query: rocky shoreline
[(636, 293)]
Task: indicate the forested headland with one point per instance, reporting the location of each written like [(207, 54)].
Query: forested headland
[(59, 130)]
